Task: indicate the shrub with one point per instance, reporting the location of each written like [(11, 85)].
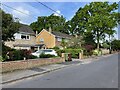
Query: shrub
[(33, 57), (59, 52), (46, 55), (18, 55), (97, 52), (56, 48), (74, 52), (1, 59)]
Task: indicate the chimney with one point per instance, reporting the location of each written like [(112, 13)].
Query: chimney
[(36, 32), (50, 30)]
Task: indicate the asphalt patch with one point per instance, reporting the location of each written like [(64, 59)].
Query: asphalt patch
[(37, 69)]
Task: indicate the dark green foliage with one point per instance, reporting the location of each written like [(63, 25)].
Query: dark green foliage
[(55, 22), (9, 26), (74, 52), (17, 54), (32, 57), (46, 55), (59, 52), (97, 18), (115, 44), (56, 48)]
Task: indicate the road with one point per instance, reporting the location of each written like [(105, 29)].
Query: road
[(102, 73)]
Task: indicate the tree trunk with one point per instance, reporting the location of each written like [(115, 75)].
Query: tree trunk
[(110, 45), (98, 43)]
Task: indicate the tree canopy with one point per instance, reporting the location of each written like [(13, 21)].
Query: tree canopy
[(9, 26), (98, 18), (55, 22)]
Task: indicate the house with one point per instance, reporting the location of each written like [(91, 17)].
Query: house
[(51, 38), (24, 39)]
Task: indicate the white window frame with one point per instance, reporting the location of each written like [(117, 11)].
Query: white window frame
[(41, 40), (25, 37), (59, 39)]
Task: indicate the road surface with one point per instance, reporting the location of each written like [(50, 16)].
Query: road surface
[(102, 73)]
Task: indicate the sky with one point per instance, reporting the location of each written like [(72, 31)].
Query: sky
[(35, 9)]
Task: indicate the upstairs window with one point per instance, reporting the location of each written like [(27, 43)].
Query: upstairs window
[(59, 39), (25, 37), (41, 40)]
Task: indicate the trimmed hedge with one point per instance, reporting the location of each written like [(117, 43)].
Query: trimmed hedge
[(19, 55), (74, 52), (46, 55)]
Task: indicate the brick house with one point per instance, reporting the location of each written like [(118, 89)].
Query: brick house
[(51, 38), (24, 39)]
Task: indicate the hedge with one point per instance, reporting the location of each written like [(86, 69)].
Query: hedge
[(74, 52)]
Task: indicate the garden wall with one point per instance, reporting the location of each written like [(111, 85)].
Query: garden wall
[(24, 64)]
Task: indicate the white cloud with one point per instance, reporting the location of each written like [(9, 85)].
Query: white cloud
[(22, 16), (19, 14), (29, 10), (58, 13)]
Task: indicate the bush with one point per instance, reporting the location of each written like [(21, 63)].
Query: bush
[(46, 55), (1, 59), (18, 55), (74, 52), (97, 52), (59, 52), (33, 57), (56, 48)]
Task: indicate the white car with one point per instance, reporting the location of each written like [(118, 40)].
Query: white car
[(45, 51)]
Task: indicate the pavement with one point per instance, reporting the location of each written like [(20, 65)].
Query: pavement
[(32, 72)]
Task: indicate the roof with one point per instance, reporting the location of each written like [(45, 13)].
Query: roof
[(59, 34), (26, 29), (28, 45)]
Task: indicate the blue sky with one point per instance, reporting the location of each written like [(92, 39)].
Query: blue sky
[(34, 9)]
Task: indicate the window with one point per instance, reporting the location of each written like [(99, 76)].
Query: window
[(28, 37), (47, 50), (41, 40), (59, 39), (25, 37)]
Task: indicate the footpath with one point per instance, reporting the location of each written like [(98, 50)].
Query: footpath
[(27, 73)]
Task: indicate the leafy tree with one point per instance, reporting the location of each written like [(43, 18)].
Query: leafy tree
[(76, 42), (115, 44), (89, 39), (63, 44), (9, 26), (55, 22), (98, 18)]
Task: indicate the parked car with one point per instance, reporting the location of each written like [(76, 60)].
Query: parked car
[(45, 51)]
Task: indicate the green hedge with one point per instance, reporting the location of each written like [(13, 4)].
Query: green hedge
[(74, 52), (46, 55), (18, 55)]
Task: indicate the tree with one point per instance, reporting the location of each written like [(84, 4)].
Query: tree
[(76, 42), (63, 44), (9, 26), (115, 44), (98, 18), (55, 22)]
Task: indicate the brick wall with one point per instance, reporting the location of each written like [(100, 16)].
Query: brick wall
[(24, 64)]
